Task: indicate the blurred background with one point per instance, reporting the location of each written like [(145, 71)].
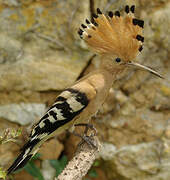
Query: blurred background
[(41, 54)]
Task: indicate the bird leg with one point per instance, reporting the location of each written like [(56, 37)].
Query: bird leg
[(85, 137)]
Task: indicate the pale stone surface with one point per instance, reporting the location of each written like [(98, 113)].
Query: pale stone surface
[(142, 161), (37, 49), (47, 170), (107, 151), (22, 113)]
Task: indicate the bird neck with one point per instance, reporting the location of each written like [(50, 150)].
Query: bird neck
[(101, 79)]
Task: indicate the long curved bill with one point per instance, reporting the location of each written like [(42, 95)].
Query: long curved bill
[(140, 66)]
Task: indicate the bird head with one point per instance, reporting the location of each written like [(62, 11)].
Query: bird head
[(118, 39)]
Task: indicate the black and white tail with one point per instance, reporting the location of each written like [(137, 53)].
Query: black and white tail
[(26, 154)]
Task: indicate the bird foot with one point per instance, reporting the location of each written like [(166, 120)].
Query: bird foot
[(85, 138)]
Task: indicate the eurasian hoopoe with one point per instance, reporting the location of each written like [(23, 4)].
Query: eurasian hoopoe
[(118, 40)]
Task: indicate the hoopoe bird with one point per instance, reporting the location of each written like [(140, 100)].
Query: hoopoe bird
[(117, 40)]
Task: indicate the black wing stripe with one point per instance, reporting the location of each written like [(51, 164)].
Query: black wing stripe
[(80, 96), (51, 122)]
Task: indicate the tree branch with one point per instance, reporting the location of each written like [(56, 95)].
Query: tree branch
[(82, 161)]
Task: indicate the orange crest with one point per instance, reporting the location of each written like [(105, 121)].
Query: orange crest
[(114, 34)]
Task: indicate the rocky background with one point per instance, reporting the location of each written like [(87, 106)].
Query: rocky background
[(41, 54)]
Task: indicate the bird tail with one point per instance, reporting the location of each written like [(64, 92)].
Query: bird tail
[(27, 152)]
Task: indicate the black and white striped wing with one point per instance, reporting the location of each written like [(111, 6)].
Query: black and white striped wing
[(67, 106)]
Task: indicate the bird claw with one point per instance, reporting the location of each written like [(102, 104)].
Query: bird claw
[(87, 138)]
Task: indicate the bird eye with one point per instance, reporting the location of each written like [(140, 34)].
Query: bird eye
[(118, 60)]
